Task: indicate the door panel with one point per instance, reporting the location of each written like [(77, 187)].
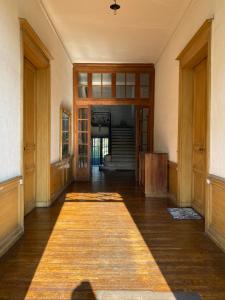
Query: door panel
[(83, 147), (199, 137), (29, 136)]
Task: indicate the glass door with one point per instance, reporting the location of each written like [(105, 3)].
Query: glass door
[(82, 143)]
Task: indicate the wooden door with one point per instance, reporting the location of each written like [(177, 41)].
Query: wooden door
[(199, 137), (83, 143), (29, 136)]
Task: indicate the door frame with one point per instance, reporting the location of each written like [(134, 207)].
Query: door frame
[(196, 50), (36, 52)]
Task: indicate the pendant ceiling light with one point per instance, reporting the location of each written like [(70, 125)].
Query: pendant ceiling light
[(115, 7)]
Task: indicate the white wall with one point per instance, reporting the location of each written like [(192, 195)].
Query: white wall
[(11, 83), (167, 83), (61, 67), (10, 130)]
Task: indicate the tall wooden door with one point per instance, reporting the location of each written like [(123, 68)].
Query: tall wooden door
[(29, 136), (199, 137), (83, 143)]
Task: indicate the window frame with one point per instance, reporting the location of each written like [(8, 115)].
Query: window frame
[(61, 142)]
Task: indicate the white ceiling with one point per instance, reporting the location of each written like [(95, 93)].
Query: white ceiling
[(137, 34)]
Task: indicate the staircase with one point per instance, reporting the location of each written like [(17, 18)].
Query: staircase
[(123, 149)]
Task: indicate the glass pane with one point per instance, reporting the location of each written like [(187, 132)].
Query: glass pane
[(120, 79), (130, 79), (83, 150), (96, 91), (106, 91), (105, 147), (96, 79), (65, 137), (106, 79), (83, 138), (83, 113), (120, 91), (65, 124), (82, 162), (82, 91), (83, 78), (130, 91), (144, 79), (65, 150), (82, 125), (144, 92)]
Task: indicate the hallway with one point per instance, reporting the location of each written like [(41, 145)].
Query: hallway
[(107, 234)]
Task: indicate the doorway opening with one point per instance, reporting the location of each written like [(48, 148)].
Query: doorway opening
[(113, 137)]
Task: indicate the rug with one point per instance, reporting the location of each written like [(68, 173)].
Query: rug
[(184, 214), (145, 295)]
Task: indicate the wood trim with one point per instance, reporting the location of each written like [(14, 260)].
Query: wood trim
[(215, 222), (11, 213), (61, 177), (172, 181), (104, 66), (96, 102), (36, 52), (196, 50), (27, 29), (196, 44)]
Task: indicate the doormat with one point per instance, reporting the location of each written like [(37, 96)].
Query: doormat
[(184, 214), (145, 295)]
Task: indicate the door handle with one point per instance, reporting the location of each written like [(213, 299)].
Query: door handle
[(199, 148)]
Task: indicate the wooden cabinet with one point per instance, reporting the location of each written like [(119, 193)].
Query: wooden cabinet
[(153, 173)]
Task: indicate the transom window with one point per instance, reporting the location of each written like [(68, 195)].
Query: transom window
[(144, 85), (83, 85), (125, 85), (102, 85), (114, 85)]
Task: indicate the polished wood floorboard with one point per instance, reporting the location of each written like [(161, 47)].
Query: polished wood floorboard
[(104, 235)]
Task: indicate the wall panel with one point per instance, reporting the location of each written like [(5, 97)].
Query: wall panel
[(11, 213), (61, 177), (215, 218)]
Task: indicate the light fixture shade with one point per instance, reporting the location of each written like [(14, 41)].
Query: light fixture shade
[(115, 7)]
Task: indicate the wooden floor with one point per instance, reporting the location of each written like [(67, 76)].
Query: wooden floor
[(105, 235)]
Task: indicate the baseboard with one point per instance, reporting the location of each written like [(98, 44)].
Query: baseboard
[(10, 240)]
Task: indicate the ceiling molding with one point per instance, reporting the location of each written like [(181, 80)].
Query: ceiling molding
[(54, 29)]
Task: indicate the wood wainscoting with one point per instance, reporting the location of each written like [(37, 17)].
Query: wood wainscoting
[(172, 181), (11, 213), (215, 210), (61, 177)]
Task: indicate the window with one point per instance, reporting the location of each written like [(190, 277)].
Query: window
[(102, 85), (144, 85), (100, 148), (125, 85), (65, 121), (83, 85)]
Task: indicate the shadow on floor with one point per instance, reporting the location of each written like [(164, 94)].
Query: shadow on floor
[(19, 264), (83, 292)]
